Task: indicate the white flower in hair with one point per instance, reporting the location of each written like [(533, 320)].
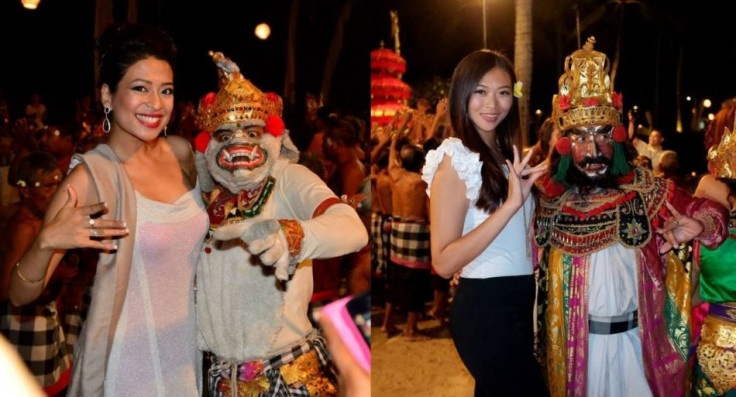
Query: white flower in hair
[(517, 89)]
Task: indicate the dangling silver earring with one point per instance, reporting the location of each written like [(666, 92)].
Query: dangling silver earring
[(106, 123)]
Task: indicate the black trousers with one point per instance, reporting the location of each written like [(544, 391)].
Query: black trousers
[(491, 321)]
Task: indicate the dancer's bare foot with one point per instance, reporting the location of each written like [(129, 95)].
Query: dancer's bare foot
[(416, 336), (432, 313), (390, 331)]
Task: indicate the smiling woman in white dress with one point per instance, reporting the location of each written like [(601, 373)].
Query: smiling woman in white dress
[(139, 336)]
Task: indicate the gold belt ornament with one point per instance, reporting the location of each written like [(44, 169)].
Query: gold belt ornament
[(304, 370), (717, 353)]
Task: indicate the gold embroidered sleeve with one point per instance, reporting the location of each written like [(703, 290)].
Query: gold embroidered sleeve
[(294, 237), (709, 225)]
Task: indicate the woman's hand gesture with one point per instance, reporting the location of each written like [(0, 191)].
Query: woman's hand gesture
[(74, 227), (522, 177)]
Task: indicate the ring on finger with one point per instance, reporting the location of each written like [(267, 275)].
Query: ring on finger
[(677, 223), (93, 232), (91, 222)]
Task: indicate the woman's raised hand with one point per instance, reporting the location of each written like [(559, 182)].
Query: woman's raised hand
[(522, 176), (74, 227)]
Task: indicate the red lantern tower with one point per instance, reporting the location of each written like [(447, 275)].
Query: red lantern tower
[(389, 93)]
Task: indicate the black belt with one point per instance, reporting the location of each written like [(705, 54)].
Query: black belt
[(613, 325)]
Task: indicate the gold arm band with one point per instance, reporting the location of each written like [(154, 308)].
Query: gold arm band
[(17, 269)]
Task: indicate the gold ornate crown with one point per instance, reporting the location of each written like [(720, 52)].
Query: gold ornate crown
[(238, 101), (722, 158), (586, 94)]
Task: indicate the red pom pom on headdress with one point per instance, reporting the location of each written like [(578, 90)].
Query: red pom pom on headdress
[(209, 99), (617, 99), (272, 96), (201, 141), (274, 125), (563, 146), (619, 134)]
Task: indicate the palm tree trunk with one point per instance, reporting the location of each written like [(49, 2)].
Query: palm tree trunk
[(290, 75), (523, 62), (333, 54), (678, 90)]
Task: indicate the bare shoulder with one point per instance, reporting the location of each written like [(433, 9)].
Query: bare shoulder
[(181, 147), (446, 173), (77, 184), (711, 188), (81, 181)]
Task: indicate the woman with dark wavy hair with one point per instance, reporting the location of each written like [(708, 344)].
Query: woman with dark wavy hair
[(135, 199)]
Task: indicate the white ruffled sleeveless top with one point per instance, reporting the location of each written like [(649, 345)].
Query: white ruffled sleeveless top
[(507, 254)]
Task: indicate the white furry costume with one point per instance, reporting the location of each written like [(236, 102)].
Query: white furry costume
[(267, 216), (244, 312)]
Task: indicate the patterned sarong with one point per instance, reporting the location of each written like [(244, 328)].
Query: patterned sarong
[(304, 370), (410, 243), (37, 334), (380, 243)]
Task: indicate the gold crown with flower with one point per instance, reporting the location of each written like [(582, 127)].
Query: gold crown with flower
[(722, 158), (237, 101), (586, 95)]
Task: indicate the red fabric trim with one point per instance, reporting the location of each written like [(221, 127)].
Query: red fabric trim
[(323, 206), (664, 211), (626, 178), (584, 215), (411, 264), (326, 295), (60, 385), (549, 187)]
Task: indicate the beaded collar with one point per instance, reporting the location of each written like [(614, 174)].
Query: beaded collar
[(226, 207), (579, 224)]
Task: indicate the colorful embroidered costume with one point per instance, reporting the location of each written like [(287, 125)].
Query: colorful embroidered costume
[(577, 233), (614, 313), (715, 373), (715, 369)]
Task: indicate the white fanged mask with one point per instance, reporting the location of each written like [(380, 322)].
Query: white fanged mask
[(240, 158)]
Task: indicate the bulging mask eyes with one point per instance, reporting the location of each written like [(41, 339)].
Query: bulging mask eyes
[(225, 137)]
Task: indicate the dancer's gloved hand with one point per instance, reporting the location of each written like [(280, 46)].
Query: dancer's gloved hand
[(264, 239)]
